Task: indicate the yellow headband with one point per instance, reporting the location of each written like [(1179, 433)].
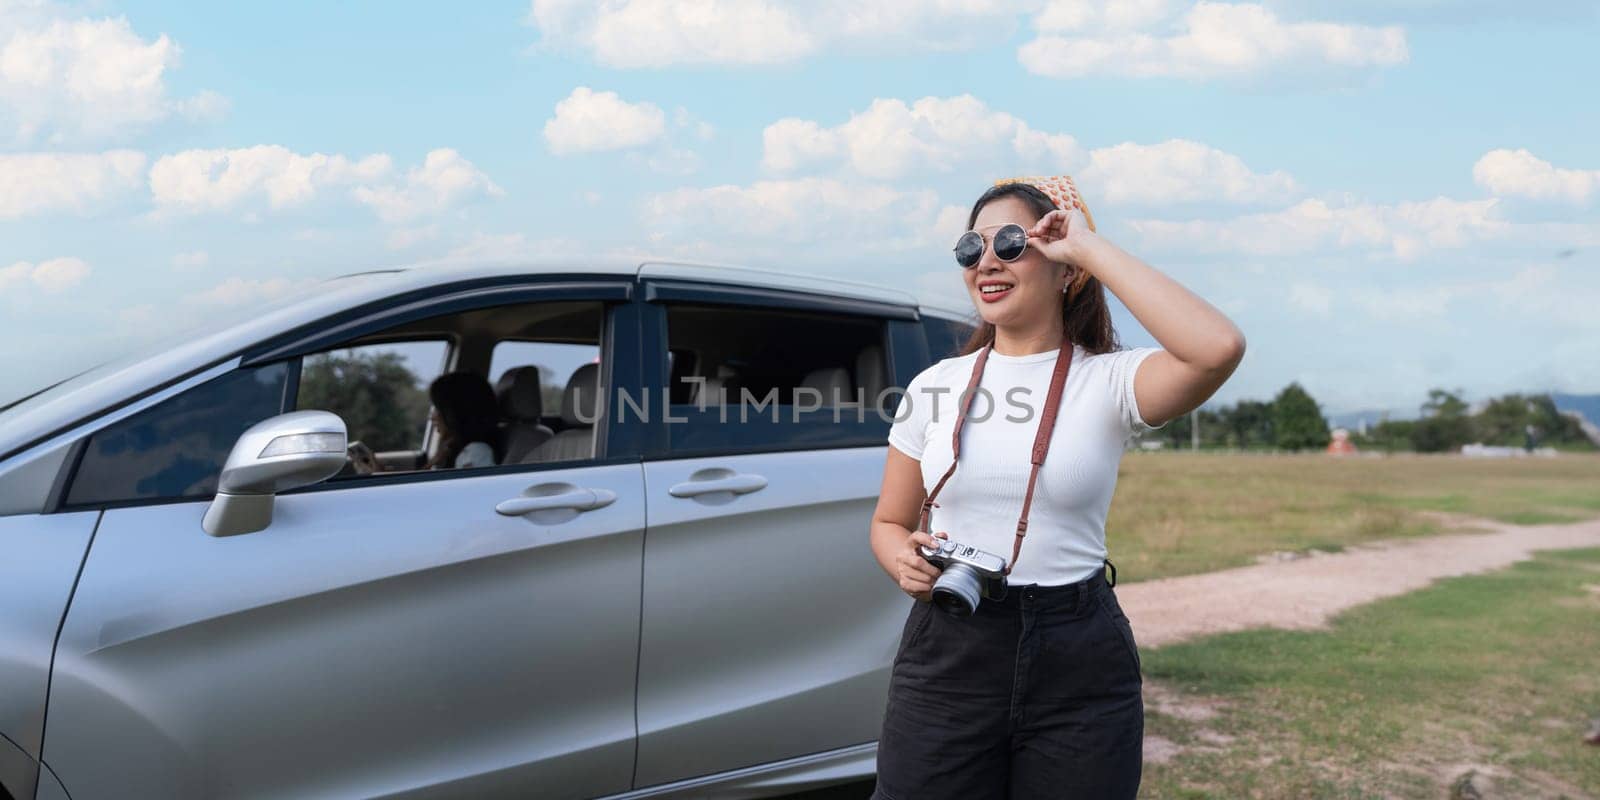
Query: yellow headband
[(1059, 188)]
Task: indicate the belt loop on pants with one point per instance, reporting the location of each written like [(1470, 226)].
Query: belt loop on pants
[(1113, 580)]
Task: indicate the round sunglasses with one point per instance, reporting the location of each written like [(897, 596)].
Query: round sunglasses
[(1009, 243)]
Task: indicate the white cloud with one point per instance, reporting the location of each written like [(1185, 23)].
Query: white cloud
[(1098, 15), (1519, 173), (492, 247), (1444, 12), (657, 33), (1178, 171), (892, 139), (588, 121), (406, 238), (1311, 297), (1566, 296), (1405, 230), (699, 128), (788, 218), (54, 275), (235, 292), (32, 183), (673, 161), (1443, 223), (207, 106), (192, 259), (197, 181), (1538, 294), (660, 33), (444, 180), (67, 79), (207, 180), (1200, 42), (1394, 304)]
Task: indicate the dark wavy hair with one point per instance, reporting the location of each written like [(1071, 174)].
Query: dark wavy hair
[(471, 413), (1084, 313)]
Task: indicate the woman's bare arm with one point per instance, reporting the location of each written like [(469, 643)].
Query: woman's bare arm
[(893, 539), (1202, 346)]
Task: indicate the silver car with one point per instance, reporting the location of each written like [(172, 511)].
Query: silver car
[(662, 588)]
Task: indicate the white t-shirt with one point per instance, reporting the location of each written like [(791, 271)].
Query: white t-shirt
[(476, 454), (1066, 539)]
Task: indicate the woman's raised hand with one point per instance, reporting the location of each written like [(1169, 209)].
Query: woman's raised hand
[(1060, 235), (915, 573)]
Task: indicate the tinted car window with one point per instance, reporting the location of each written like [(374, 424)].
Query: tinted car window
[(176, 448), (379, 390), (753, 379), (945, 337), (555, 361)]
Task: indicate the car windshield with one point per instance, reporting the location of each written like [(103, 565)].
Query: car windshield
[(26, 397)]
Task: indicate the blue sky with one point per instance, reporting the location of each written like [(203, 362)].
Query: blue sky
[(1385, 197)]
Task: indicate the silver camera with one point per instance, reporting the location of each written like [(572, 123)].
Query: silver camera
[(969, 574)]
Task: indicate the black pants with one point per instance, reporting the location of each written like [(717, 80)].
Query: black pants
[(1037, 695)]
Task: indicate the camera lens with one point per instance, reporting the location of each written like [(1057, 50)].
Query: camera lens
[(957, 590)]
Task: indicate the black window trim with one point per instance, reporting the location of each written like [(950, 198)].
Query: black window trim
[(673, 290)]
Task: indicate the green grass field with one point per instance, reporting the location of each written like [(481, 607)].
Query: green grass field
[(1181, 513), (1497, 672)]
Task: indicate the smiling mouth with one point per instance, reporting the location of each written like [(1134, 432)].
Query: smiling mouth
[(995, 288)]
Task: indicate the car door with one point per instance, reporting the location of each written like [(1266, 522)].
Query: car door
[(768, 629), (455, 632)]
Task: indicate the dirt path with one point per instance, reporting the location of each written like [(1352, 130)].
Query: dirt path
[(1305, 592)]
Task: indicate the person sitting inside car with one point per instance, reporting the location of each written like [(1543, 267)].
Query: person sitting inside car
[(466, 415)]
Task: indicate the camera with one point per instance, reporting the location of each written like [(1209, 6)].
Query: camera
[(969, 574)]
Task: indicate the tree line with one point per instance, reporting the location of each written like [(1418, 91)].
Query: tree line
[(1293, 420)]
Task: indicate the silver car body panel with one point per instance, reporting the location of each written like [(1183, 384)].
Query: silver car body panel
[(49, 787), (25, 482), (768, 627), (813, 771), (949, 314), (40, 561), (437, 645), (19, 772)]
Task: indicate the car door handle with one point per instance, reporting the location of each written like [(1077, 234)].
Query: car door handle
[(576, 500), (735, 484)]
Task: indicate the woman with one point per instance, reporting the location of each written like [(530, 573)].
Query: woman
[(467, 417), (1037, 693)]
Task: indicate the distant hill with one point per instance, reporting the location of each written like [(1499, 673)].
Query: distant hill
[(1586, 404)]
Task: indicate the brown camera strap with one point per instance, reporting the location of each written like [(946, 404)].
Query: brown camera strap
[(1041, 440)]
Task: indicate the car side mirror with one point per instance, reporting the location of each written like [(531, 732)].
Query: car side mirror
[(277, 454)]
